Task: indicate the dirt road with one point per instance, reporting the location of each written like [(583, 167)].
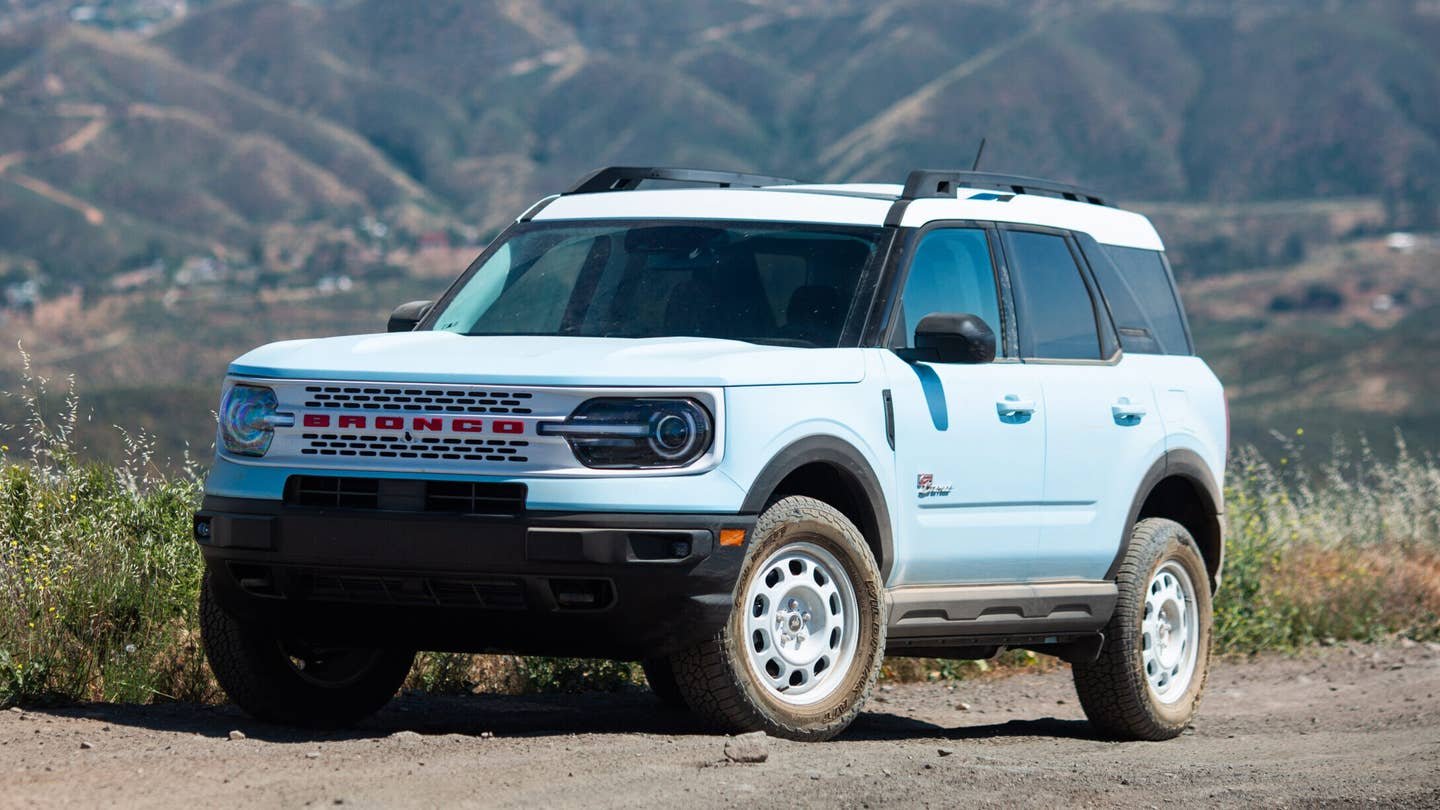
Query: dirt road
[(1347, 725)]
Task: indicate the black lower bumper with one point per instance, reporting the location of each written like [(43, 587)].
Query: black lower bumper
[(542, 583)]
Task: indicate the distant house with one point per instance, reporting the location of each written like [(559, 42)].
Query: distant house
[(1401, 242), (201, 270), (21, 297)]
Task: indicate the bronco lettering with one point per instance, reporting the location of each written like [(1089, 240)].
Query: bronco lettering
[(460, 424)]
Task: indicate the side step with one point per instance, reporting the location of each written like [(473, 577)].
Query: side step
[(929, 620)]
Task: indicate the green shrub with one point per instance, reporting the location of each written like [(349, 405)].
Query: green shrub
[(98, 575)]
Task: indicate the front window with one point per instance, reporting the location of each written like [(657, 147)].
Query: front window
[(951, 272), (790, 285)]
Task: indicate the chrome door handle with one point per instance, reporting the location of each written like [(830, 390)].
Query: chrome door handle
[(1012, 405), (1124, 409)]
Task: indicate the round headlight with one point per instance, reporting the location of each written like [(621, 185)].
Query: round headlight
[(672, 434), (247, 419)]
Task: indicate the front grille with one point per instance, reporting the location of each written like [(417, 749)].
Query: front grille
[(448, 400), (406, 495), (448, 448)]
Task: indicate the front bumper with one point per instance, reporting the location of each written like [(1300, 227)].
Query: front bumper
[(613, 585)]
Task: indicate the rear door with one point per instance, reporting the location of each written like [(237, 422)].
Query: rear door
[(1103, 426), (969, 439)]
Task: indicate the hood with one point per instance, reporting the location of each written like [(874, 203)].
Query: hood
[(570, 361)]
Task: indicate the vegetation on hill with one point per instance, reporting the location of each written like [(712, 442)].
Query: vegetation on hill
[(206, 132), (99, 574), (182, 182)]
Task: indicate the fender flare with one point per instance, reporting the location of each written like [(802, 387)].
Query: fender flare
[(855, 470), (1187, 465)]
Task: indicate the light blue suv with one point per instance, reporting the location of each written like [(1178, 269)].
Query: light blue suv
[(755, 433)]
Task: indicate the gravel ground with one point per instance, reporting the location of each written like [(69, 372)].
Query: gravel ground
[(1338, 726)]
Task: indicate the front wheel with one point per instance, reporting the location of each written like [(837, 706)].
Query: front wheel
[(1147, 682), (660, 675), (290, 682), (806, 635)]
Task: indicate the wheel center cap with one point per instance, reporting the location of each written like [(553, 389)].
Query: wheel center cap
[(795, 623)]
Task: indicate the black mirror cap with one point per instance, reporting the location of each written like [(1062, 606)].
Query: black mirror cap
[(955, 337), (407, 315)]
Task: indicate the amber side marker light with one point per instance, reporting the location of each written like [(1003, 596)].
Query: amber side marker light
[(732, 537)]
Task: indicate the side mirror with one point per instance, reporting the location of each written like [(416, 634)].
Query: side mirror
[(407, 315), (955, 337)]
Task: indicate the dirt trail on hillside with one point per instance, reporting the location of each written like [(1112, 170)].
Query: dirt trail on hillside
[(1350, 725)]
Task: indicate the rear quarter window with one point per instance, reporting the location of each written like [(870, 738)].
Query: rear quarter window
[(1137, 285)]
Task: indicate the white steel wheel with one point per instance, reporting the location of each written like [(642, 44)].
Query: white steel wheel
[(805, 638), (1147, 680), (1169, 630), (800, 623)]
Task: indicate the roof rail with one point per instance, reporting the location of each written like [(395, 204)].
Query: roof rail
[(626, 178), (923, 183)]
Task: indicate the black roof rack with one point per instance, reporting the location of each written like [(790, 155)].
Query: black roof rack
[(626, 178), (923, 183)]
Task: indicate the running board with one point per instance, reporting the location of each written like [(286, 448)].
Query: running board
[(934, 617)]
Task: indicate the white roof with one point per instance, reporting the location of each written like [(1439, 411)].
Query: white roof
[(855, 204)]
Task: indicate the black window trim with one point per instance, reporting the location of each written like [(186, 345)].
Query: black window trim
[(1099, 308), (884, 337), (1179, 304), (867, 283)]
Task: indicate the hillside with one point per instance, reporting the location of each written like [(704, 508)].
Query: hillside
[(212, 127), (273, 169)]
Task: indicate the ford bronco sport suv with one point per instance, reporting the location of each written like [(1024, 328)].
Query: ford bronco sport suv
[(755, 433)]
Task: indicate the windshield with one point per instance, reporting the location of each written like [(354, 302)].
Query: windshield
[(764, 283)]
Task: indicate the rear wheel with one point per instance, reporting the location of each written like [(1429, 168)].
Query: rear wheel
[(1147, 682), (806, 635), (291, 682)]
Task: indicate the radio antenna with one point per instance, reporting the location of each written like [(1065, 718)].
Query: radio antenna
[(978, 152)]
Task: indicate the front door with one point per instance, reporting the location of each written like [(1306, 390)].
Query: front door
[(969, 439)]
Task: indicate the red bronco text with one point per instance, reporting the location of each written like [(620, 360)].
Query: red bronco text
[(437, 424)]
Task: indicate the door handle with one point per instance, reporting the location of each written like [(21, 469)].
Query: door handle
[(1012, 405), (1125, 410)]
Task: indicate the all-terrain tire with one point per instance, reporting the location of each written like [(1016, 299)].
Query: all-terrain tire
[(660, 674), (1114, 690), (719, 683), (261, 676)]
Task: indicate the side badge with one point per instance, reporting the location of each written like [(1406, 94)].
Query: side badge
[(927, 488)]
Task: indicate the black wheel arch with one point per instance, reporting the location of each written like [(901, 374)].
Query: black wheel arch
[(834, 471), (1180, 486)]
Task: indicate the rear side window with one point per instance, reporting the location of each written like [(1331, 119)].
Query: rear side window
[(1142, 299), (1053, 308)]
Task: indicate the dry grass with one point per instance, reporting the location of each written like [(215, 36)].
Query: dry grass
[(1347, 549)]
